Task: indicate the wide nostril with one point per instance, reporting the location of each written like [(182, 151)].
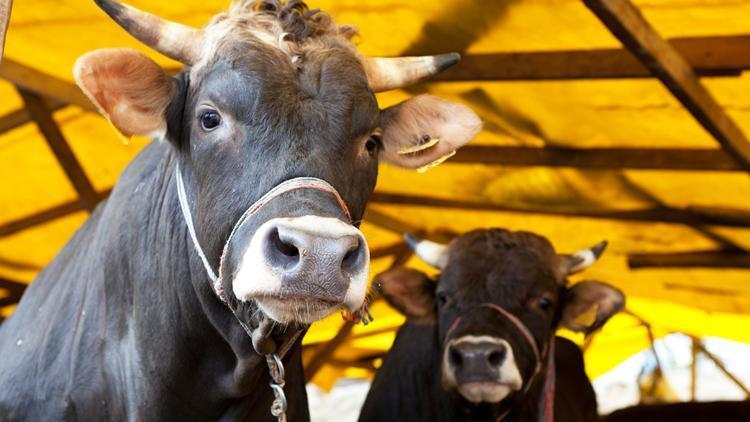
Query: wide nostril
[(455, 358), (286, 248), (351, 260), (496, 358), (281, 251)]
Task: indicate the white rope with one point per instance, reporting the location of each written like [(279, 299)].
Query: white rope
[(188, 217)]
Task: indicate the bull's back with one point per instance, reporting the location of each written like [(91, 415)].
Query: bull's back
[(726, 411)]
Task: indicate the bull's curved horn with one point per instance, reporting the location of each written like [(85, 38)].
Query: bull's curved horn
[(583, 259), (176, 41), (433, 254), (385, 73), (5, 7)]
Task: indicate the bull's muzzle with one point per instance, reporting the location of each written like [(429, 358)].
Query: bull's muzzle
[(303, 268)]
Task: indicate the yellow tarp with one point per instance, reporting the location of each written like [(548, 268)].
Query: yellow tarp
[(48, 35)]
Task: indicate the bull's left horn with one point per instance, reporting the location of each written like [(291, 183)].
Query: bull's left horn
[(432, 253), (386, 73), (581, 260), (5, 7), (174, 40)]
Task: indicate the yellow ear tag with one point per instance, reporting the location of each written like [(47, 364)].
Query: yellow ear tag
[(421, 147), (124, 139), (435, 163), (588, 318)]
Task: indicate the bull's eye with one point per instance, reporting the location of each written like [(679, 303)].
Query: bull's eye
[(373, 142), (545, 303), (210, 120)]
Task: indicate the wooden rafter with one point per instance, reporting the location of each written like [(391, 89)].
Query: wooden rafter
[(18, 118), (626, 23), (44, 84), (44, 216), (702, 159), (660, 215), (698, 259), (42, 115), (707, 56)]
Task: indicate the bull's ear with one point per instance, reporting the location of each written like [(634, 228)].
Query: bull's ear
[(128, 88), (408, 291), (424, 131), (589, 304)]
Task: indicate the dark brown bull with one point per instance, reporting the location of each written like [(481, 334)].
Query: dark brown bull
[(478, 341)]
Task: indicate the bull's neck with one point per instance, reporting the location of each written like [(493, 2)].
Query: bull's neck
[(175, 313)]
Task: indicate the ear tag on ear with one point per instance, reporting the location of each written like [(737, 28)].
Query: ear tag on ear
[(362, 314), (124, 139), (588, 318), (435, 163), (431, 142)]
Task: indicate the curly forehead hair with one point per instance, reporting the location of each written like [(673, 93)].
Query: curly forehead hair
[(295, 18)]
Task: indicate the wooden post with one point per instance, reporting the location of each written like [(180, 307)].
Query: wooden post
[(719, 364), (693, 367)]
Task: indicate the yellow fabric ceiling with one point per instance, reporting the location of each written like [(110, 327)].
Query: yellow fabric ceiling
[(48, 35)]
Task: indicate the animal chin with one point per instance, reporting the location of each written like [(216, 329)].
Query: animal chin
[(487, 392), (295, 309)]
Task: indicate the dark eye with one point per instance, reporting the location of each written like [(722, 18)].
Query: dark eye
[(441, 299), (545, 303), (210, 120), (373, 142)]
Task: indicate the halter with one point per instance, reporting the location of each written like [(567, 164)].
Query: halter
[(273, 360), (546, 404)]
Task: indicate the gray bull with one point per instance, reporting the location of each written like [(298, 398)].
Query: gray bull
[(266, 152)]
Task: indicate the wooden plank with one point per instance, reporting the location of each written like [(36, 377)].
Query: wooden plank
[(629, 26), (18, 118), (45, 216), (43, 117), (719, 364), (698, 259), (657, 215), (707, 56), (703, 159), (44, 84)]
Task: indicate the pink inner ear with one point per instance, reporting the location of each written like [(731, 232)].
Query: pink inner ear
[(129, 88), (425, 129)]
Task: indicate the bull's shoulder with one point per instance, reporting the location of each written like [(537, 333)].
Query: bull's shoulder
[(403, 388)]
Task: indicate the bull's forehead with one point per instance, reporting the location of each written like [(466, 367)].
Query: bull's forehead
[(297, 32), (499, 263)]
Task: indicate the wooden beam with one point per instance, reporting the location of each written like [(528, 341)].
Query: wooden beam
[(698, 259), (45, 216), (707, 56), (702, 159), (43, 117), (44, 84), (629, 26), (657, 215), (719, 364), (18, 118)]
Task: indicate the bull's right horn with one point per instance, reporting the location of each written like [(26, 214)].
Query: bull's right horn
[(174, 40), (432, 253), (386, 73)]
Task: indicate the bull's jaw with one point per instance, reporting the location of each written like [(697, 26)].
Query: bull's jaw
[(490, 390), (308, 296)]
